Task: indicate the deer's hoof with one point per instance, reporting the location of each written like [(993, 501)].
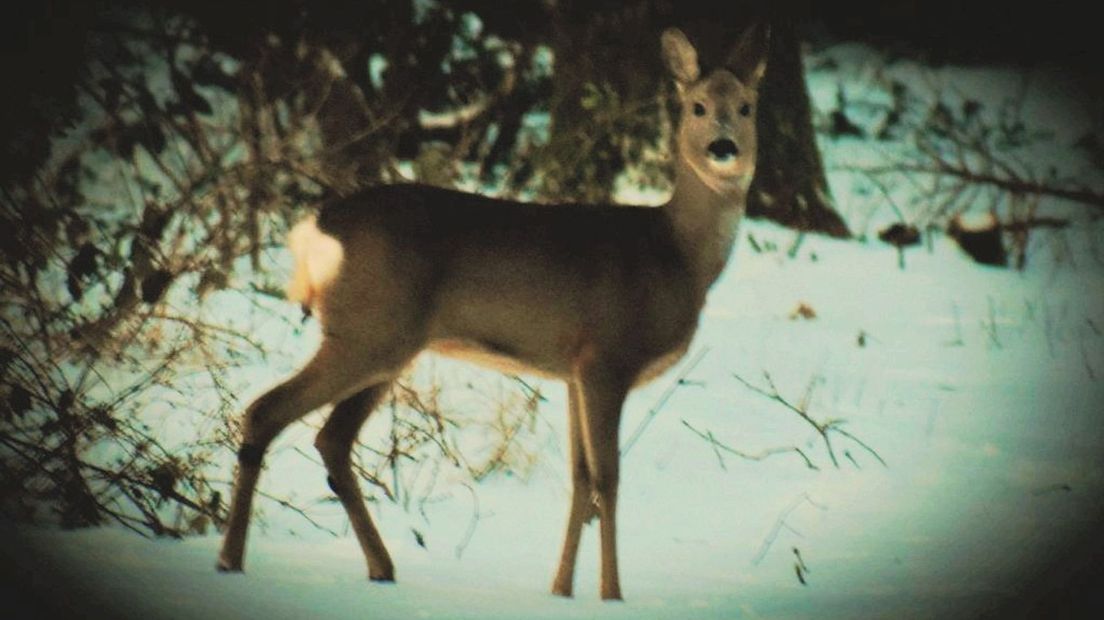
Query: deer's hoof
[(612, 596), (562, 586)]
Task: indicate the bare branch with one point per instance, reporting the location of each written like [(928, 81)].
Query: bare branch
[(679, 381), (1017, 185), (824, 429), (780, 524), (717, 445)]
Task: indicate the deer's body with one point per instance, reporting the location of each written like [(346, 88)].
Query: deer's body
[(507, 284), (602, 297)]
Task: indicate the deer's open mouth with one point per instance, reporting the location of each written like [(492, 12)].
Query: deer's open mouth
[(722, 151)]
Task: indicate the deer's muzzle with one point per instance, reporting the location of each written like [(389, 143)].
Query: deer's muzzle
[(723, 149)]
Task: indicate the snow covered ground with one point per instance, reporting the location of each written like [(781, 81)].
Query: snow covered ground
[(982, 389)]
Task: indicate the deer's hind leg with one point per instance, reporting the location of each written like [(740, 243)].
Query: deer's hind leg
[(337, 370), (335, 443)]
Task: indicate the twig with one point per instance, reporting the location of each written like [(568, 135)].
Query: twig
[(780, 524), (476, 516), (287, 505), (718, 446), (881, 187), (663, 398), (1052, 488), (824, 429), (532, 392), (1015, 185), (800, 568)]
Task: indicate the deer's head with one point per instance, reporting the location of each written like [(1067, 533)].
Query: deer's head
[(716, 136)]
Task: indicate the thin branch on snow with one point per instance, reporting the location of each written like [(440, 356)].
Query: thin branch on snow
[(476, 517), (719, 447), (781, 524), (680, 381), (824, 429)]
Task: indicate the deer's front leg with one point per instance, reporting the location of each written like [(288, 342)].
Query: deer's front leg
[(603, 394), (582, 496)]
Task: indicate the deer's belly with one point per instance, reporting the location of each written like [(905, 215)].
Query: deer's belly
[(493, 357), (556, 366)]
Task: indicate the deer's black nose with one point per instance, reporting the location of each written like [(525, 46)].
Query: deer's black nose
[(723, 149)]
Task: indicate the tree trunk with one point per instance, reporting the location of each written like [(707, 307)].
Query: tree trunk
[(789, 186)]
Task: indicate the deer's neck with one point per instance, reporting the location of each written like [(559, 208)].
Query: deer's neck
[(705, 220)]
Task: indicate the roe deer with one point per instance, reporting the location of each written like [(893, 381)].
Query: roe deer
[(602, 297)]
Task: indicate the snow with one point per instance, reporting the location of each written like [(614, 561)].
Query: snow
[(981, 389)]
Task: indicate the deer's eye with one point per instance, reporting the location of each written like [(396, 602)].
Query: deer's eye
[(745, 109), (699, 109)]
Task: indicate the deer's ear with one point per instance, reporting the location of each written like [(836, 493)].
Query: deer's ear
[(748, 57), (680, 56)]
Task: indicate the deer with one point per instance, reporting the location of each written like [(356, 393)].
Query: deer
[(602, 297)]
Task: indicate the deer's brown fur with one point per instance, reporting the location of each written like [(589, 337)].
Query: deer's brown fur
[(602, 297)]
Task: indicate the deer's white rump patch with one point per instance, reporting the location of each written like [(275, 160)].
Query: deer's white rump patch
[(318, 259)]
